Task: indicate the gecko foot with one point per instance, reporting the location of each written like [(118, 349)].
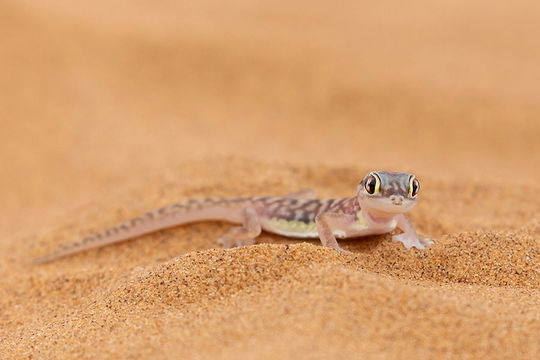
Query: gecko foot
[(340, 249), (411, 240), (228, 242), (238, 236)]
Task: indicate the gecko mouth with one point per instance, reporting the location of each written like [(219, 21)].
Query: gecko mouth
[(390, 206)]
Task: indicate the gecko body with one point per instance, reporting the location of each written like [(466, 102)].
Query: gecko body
[(379, 207)]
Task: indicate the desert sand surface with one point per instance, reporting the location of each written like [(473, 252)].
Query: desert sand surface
[(113, 108)]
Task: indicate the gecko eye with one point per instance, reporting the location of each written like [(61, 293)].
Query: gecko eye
[(414, 187), (372, 184)]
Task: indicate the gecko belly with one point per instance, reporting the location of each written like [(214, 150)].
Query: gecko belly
[(296, 229), (291, 228), (308, 230)]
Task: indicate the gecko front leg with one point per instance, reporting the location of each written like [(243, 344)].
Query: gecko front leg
[(409, 238), (243, 235), (327, 223)]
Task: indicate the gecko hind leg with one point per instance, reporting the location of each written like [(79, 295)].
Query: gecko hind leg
[(302, 194), (327, 222), (243, 235)]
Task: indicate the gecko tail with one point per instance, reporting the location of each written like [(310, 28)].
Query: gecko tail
[(222, 209)]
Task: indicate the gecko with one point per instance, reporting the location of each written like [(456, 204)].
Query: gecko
[(379, 206)]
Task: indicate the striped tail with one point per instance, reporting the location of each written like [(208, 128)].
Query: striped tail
[(163, 218)]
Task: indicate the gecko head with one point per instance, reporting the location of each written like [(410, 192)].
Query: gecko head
[(388, 192)]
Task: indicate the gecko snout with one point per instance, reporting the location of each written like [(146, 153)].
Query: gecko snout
[(396, 199)]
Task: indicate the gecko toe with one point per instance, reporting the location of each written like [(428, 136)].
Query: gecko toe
[(229, 243), (409, 241)]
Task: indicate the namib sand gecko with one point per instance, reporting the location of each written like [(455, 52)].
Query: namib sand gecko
[(379, 206)]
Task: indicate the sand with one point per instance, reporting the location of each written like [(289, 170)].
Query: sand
[(111, 109)]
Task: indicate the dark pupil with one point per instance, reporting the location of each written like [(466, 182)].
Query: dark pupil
[(370, 185), (414, 187)]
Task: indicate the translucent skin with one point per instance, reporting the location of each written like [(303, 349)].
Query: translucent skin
[(379, 207)]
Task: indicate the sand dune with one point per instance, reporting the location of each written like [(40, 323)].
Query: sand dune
[(112, 110)]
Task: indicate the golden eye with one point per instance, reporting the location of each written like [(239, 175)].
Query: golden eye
[(372, 184), (414, 186)]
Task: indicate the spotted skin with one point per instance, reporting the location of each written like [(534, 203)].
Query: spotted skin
[(379, 207)]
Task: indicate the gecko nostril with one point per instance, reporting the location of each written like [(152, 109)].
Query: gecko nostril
[(396, 200)]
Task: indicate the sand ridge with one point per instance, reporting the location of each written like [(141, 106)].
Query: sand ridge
[(174, 294), (208, 303)]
